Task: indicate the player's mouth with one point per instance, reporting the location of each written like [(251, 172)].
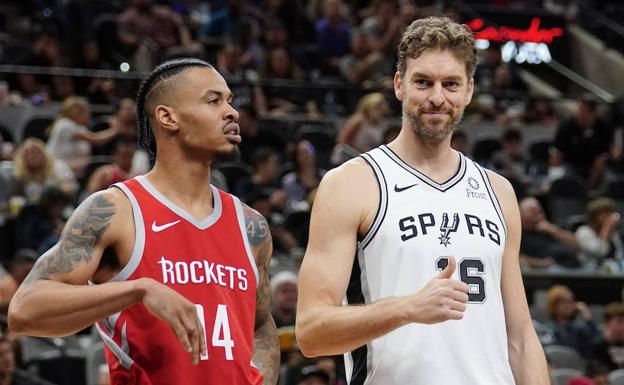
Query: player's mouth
[(232, 132)]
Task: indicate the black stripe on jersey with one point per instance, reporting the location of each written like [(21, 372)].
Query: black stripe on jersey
[(383, 193), (440, 187), (492, 194), (355, 296)]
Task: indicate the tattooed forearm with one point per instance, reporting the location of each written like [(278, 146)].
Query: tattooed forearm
[(79, 238), (267, 352), (266, 342)]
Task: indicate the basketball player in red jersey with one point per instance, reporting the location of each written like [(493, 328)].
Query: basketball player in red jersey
[(175, 267)]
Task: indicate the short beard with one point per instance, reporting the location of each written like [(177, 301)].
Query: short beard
[(227, 156), (430, 134)]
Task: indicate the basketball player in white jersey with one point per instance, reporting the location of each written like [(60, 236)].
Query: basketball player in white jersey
[(412, 265)]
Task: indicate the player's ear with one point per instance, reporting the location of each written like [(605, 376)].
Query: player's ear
[(470, 90), (398, 92), (166, 117)]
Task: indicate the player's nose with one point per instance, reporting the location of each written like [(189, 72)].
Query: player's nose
[(231, 113)]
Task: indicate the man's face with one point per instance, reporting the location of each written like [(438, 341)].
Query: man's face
[(434, 92), (127, 110), (286, 296), (206, 121), (531, 212), (615, 328)]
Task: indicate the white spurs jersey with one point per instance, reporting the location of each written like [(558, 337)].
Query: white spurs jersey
[(419, 222)]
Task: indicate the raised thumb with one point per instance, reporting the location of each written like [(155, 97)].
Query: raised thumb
[(449, 270)]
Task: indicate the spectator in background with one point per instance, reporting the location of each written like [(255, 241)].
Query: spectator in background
[(229, 64), (333, 36), (124, 120), (39, 223), (36, 169), (18, 268), (9, 374), (153, 32), (385, 26), (224, 19), (363, 66), (70, 140), (283, 240), (363, 131), (510, 160), (608, 350), (583, 138), (284, 298), (544, 244), (118, 171), (600, 239), (571, 322), (313, 375), (283, 100), (305, 178), (540, 110), (265, 162)]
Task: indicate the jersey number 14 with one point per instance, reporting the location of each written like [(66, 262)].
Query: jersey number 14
[(221, 336)]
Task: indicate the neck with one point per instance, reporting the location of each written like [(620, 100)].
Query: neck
[(172, 176), (436, 160)]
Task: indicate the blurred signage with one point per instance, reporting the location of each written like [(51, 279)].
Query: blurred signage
[(529, 44)]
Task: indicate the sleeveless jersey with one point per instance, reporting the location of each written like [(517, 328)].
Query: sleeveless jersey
[(418, 224), (207, 261)]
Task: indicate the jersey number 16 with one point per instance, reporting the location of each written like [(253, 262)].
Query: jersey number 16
[(470, 272)]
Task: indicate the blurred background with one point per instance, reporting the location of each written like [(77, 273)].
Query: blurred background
[(312, 81)]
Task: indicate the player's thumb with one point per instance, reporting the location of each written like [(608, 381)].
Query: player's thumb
[(449, 269)]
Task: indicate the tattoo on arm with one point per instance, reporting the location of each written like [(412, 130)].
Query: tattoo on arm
[(80, 236), (266, 343)]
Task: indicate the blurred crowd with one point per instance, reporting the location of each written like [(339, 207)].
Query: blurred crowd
[(313, 85)]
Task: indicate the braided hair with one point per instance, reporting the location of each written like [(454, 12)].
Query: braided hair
[(162, 72)]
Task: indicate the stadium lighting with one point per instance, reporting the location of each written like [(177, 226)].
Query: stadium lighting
[(124, 67)]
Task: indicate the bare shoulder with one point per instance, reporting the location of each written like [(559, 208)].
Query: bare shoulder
[(350, 177), (502, 187), (347, 196), (506, 196)]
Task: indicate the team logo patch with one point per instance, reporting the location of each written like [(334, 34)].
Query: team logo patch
[(472, 182), (446, 229)]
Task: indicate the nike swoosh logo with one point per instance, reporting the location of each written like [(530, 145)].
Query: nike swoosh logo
[(156, 228), (399, 189)]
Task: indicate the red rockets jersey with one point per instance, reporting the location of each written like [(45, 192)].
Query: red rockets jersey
[(207, 261)]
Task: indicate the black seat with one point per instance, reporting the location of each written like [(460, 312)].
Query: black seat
[(484, 148), (37, 127), (567, 197), (234, 172), (323, 138)]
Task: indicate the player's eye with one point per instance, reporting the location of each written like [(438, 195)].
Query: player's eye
[(421, 82), (452, 85), (213, 101)]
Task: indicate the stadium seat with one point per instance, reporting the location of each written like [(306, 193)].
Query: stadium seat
[(563, 375), (616, 377), (95, 358), (566, 357), (60, 369), (233, 172), (615, 191), (567, 197), (484, 148), (323, 139), (37, 127)]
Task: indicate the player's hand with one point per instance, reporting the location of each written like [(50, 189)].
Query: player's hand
[(179, 313), (441, 299)]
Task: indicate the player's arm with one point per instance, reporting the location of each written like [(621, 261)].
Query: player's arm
[(526, 355), (55, 300), (266, 342), (324, 326)]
